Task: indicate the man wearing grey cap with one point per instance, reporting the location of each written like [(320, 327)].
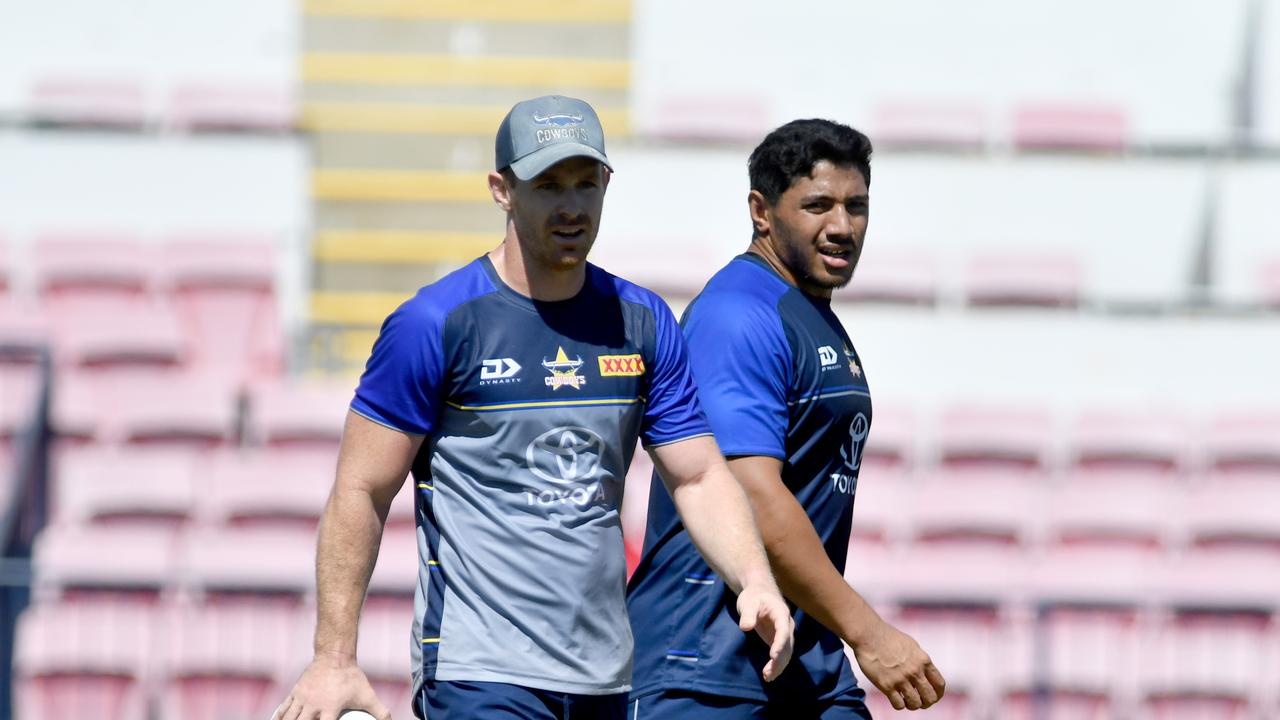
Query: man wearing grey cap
[(514, 390)]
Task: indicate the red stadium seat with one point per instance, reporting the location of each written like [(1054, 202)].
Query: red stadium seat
[(230, 662), (980, 436), (224, 291), (211, 105), (1065, 126), (74, 661), (260, 489), (298, 414), (1111, 439), (85, 99), (154, 487), (1019, 279)]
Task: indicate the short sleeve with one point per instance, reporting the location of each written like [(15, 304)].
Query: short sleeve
[(672, 411), (401, 387), (742, 363)]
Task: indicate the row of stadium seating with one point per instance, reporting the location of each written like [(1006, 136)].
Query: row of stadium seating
[(232, 658)]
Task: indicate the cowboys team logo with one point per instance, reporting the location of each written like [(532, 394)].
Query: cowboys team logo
[(565, 455), (853, 362), (857, 437), (563, 371)]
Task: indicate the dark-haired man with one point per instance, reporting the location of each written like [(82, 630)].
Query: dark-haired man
[(789, 404), (514, 390)]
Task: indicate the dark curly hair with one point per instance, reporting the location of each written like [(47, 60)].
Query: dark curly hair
[(791, 151)]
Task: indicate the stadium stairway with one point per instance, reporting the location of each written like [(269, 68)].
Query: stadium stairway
[(402, 100)]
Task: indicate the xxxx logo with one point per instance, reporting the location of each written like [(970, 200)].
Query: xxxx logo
[(621, 365)]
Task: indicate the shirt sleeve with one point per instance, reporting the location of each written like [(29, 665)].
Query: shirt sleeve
[(742, 363), (672, 411), (401, 387)]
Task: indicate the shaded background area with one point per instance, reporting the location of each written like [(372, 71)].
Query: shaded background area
[(1068, 308)]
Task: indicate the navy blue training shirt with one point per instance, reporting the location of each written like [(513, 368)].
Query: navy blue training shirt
[(530, 412), (777, 377)]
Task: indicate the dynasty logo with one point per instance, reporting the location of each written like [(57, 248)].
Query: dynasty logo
[(563, 371)]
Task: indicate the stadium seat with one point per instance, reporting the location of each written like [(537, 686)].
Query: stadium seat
[(972, 506), (1244, 441), (979, 436), (1111, 439), (1021, 279), (1225, 577), (965, 644), (230, 663), (1208, 665), (24, 331), (148, 403), (110, 336), (1235, 513), (941, 574), (1096, 575), (396, 574), (134, 565), (298, 414), (197, 106), (1121, 509), (75, 271), (125, 486), (1062, 126), (76, 661), (229, 564), (384, 643), (260, 489), (85, 100), (955, 125), (892, 443), (223, 289), (898, 277), (877, 507), (19, 392)]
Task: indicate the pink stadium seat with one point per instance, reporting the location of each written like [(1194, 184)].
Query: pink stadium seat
[(189, 409), (224, 291), (260, 489), (396, 574), (1235, 513), (87, 100), (893, 438), (1245, 441), (946, 574), (230, 662), (75, 661), (19, 391), (930, 123), (1064, 126), (298, 414), (978, 436), (78, 270), (877, 507), (893, 276), (1094, 575), (1020, 279), (125, 486), (1208, 665), (965, 644), (109, 336), (252, 562), (78, 415), (1111, 439), (385, 639), (972, 506), (134, 563), (1113, 509), (24, 331), (210, 105), (1225, 577)]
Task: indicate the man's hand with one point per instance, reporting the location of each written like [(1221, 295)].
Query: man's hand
[(327, 687), (764, 611), (896, 664)]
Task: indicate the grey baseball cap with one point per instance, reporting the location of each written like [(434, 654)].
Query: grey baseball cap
[(541, 132)]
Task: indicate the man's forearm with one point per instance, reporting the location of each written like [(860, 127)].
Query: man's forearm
[(347, 549), (717, 515)]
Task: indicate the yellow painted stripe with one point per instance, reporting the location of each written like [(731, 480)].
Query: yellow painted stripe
[(401, 246), (535, 11), (399, 69), (354, 308), (428, 119), (429, 641), (400, 185), (548, 403)]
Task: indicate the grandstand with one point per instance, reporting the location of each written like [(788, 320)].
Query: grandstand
[(1068, 308)]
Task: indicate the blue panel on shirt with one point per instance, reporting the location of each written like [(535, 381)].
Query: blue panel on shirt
[(777, 377)]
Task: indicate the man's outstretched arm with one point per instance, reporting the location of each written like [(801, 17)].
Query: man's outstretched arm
[(718, 517), (889, 658), (372, 464)]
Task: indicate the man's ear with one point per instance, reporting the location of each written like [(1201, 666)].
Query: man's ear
[(761, 211), (500, 190)]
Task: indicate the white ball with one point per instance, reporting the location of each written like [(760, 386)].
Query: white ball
[(355, 715)]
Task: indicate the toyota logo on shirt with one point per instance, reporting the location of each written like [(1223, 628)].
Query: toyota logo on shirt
[(565, 455)]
